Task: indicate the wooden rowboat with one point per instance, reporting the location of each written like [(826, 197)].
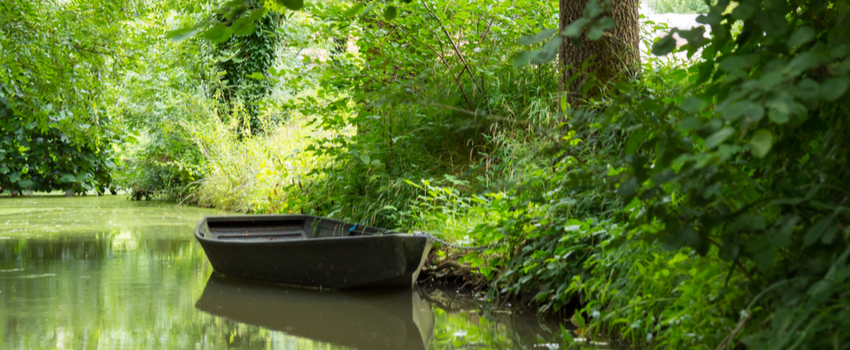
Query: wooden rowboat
[(311, 251)]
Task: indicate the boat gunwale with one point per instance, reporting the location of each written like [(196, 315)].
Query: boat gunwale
[(389, 233)]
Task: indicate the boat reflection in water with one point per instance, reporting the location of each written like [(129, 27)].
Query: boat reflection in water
[(361, 319)]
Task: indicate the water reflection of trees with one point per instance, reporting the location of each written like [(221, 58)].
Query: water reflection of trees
[(89, 293), (464, 323)]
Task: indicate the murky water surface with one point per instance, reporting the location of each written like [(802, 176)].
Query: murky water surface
[(107, 273)]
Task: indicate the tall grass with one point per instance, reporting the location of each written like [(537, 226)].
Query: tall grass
[(262, 174)]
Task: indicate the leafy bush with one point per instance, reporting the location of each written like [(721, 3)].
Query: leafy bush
[(412, 100), (55, 133), (45, 160)]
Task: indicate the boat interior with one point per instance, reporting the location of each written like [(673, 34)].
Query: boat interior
[(275, 227)]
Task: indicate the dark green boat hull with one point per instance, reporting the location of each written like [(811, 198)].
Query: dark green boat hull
[(311, 251)]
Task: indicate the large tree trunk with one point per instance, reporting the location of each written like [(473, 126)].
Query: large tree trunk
[(615, 55)]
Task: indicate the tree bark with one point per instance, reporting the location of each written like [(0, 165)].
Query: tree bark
[(614, 56)]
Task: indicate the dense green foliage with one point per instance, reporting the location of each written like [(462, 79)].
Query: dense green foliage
[(56, 61), (33, 159), (245, 59), (699, 203)]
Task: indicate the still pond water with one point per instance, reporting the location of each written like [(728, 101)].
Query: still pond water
[(108, 273)]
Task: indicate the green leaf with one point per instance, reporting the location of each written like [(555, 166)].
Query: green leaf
[(807, 89), (368, 9), (713, 18), (833, 88), (293, 5), (390, 13), (695, 36), (257, 76), (743, 11), (672, 242), (548, 51), (628, 188), (25, 183), (353, 10), (664, 45), (68, 178), (718, 137), (579, 320), (181, 34), (4, 169), (737, 62), (598, 29), (536, 38), (689, 235), (801, 36), (693, 105), (752, 110), (524, 57), (257, 14), (764, 258), (219, 33), (761, 142), (243, 26), (779, 239), (690, 123), (778, 117), (821, 290), (729, 251), (816, 231), (575, 28)]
